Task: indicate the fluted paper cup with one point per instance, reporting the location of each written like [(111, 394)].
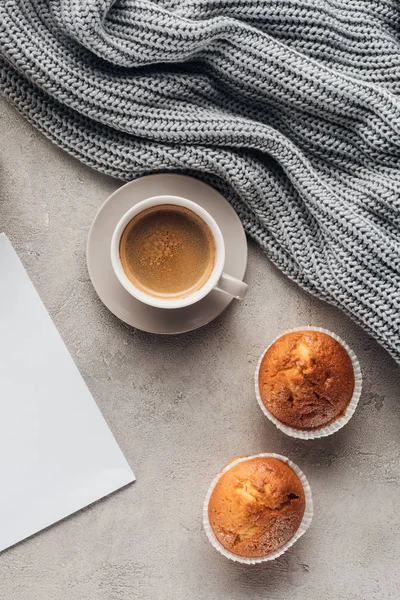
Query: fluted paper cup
[(304, 525), (310, 434)]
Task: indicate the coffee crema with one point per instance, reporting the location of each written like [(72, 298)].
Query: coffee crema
[(167, 251)]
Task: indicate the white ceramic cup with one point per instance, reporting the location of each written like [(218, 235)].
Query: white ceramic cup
[(217, 280)]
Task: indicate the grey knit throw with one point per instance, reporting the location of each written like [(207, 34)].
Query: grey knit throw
[(291, 108)]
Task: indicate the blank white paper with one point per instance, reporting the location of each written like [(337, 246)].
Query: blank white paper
[(57, 454)]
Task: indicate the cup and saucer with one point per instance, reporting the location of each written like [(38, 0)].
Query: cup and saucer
[(167, 315)]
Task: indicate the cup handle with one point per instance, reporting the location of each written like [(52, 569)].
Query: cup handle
[(232, 286)]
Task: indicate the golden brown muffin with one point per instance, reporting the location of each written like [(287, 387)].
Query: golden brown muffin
[(256, 506), (306, 379)]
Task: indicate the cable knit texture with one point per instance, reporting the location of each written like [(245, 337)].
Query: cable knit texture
[(290, 108)]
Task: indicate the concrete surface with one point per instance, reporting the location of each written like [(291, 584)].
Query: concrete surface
[(180, 408)]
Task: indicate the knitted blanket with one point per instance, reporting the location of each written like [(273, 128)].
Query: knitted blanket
[(290, 108)]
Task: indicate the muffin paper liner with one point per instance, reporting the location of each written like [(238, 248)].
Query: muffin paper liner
[(332, 427), (304, 525)]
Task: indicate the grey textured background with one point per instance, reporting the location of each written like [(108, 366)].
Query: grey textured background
[(180, 408)]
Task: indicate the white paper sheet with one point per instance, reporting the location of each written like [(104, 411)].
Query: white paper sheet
[(57, 454)]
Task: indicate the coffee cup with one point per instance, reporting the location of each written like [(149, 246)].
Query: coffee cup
[(169, 236)]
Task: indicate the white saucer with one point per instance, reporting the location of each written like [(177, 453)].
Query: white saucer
[(105, 282)]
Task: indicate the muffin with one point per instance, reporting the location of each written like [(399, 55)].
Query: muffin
[(256, 506), (306, 380)]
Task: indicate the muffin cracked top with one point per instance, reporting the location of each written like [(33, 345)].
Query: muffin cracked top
[(306, 379), (256, 506)]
